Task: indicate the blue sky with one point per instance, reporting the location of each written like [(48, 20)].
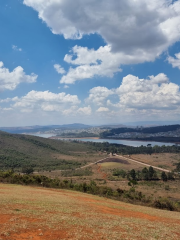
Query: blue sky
[(88, 61)]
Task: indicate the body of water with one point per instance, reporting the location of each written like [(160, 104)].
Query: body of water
[(127, 142), (44, 135), (124, 142)]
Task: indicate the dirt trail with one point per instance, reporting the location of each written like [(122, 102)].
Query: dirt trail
[(103, 174), (145, 164), (91, 164), (120, 157), (125, 158)]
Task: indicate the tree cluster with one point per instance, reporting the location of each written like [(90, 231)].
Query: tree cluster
[(147, 174)]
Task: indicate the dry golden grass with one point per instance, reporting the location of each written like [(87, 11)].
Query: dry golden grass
[(164, 160), (127, 167), (37, 213)]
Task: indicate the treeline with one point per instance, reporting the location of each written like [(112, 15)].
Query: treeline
[(130, 195), (18, 163), (147, 174), (159, 139), (122, 149), (78, 135), (140, 130)]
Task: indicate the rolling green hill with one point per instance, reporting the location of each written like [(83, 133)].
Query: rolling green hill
[(17, 151)]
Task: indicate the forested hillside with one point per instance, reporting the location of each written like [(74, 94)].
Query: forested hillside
[(17, 151), (148, 130)]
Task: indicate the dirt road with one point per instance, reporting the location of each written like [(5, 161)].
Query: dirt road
[(126, 158), (145, 164)]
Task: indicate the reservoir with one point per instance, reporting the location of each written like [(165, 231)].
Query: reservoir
[(128, 142), (132, 143)]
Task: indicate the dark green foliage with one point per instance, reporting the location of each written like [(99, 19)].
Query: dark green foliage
[(133, 174), (19, 151), (128, 150), (164, 204), (170, 176), (27, 170), (145, 174), (178, 167), (132, 183), (79, 135), (151, 172), (39, 143), (164, 177), (140, 130), (119, 173)]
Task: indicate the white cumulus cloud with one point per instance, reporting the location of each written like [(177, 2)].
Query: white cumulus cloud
[(46, 101), (10, 80), (135, 94), (59, 69), (157, 92), (98, 95), (132, 27), (85, 110), (135, 31), (102, 109), (175, 61)]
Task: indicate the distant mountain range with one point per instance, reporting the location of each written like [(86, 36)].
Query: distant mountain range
[(151, 123), (37, 128)]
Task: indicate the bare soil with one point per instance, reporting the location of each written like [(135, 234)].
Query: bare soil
[(43, 214)]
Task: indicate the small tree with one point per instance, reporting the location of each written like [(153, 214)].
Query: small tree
[(132, 183), (27, 170), (145, 174), (151, 173), (178, 167), (170, 176), (133, 174), (164, 177)]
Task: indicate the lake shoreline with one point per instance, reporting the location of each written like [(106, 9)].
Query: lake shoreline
[(126, 139), (126, 142), (59, 137)]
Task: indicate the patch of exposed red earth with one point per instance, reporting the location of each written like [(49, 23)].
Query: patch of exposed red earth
[(104, 175), (123, 212)]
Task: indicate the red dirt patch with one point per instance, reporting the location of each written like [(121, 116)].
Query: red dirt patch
[(5, 218), (37, 235)]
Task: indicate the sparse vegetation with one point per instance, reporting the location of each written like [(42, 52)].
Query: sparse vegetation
[(130, 195)]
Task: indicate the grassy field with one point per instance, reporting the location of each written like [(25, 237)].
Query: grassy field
[(163, 160), (40, 214)]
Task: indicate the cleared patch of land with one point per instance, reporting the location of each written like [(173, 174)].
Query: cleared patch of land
[(39, 213)]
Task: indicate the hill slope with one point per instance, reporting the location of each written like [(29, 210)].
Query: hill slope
[(40, 214), (17, 151)]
